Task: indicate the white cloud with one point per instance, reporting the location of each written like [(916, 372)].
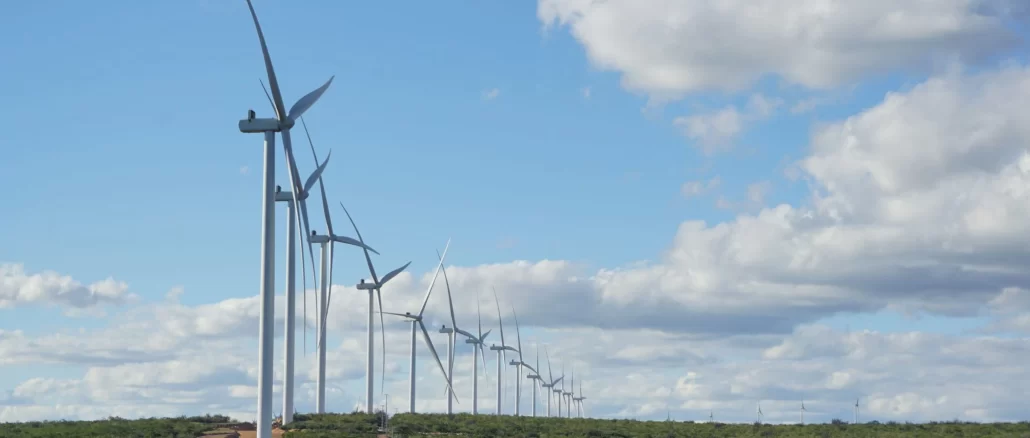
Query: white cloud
[(244, 170), (691, 189), (715, 130), (19, 288), (675, 46), (491, 94), (586, 92)]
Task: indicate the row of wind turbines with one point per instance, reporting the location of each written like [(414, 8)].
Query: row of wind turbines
[(296, 203)]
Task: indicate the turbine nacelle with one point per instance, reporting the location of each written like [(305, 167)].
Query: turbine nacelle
[(252, 125), (444, 329), (366, 286)]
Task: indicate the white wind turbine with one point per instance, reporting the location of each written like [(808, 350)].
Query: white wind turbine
[(282, 124), (477, 344), (856, 411), (803, 412), (450, 340), (559, 391), (760, 413), (375, 286), (549, 384), (416, 324), (500, 353), (327, 242), (579, 400), (519, 364), (568, 394), (535, 377)]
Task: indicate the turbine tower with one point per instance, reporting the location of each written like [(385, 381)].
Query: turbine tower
[(856, 411), (416, 324), (519, 364), (568, 395), (558, 391), (291, 305), (500, 353), (803, 412), (477, 345), (375, 286), (282, 123)]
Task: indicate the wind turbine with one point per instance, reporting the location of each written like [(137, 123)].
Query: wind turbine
[(282, 123), (558, 392), (711, 416), (856, 411), (375, 286), (535, 377), (551, 381), (416, 324), (760, 413), (450, 341), (518, 364), (477, 344), (327, 242), (579, 400), (291, 306), (500, 353), (568, 395), (803, 412)]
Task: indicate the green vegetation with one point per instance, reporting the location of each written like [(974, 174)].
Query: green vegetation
[(435, 425), (115, 427), (465, 425)]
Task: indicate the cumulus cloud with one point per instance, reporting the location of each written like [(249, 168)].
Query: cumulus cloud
[(675, 47), (18, 288)]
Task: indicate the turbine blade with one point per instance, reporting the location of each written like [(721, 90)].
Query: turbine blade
[(280, 109), (483, 338), (308, 100), (450, 301), (479, 314), (351, 241), (321, 184), (550, 375), (500, 322), (269, 96), (368, 258), (435, 275), (317, 174), (482, 354), (518, 337), (396, 314), (299, 202), (432, 349), (389, 275)]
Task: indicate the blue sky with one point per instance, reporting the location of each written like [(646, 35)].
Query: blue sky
[(473, 122)]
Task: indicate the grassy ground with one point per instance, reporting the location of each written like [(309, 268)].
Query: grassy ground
[(404, 425)]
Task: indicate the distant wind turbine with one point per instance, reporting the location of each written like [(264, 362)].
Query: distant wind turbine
[(450, 340), (519, 364), (559, 391), (500, 353), (535, 378), (549, 383), (477, 344), (416, 324), (375, 286), (856, 411), (803, 412), (579, 400), (759, 412)]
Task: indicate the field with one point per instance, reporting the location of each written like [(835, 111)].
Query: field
[(403, 425)]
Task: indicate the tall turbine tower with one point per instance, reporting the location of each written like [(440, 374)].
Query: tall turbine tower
[(416, 324), (375, 286), (856, 411), (568, 394), (477, 344), (291, 305), (500, 353)]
